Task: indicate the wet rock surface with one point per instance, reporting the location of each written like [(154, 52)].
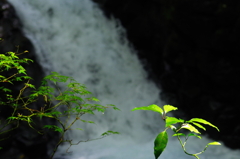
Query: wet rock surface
[(191, 50)]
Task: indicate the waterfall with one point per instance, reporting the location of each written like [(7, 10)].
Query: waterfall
[(74, 38)]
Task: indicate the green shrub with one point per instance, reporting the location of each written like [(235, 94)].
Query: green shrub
[(65, 106)]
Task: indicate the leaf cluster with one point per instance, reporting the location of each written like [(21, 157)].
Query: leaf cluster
[(191, 125), (66, 106)]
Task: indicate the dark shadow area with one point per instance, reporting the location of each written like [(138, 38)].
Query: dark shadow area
[(191, 50)]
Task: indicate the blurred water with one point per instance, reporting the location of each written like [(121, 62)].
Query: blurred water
[(73, 37)]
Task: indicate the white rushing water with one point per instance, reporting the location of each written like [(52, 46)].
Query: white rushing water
[(73, 37)]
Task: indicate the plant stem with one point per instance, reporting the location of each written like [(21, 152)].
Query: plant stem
[(184, 149), (56, 147)]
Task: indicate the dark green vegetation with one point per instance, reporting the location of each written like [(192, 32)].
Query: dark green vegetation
[(65, 106)]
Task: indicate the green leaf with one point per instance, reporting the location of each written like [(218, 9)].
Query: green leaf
[(199, 120), (6, 90), (85, 121), (30, 85), (54, 113), (199, 125), (95, 99), (192, 134), (109, 132), (113, 106), (11, 118), (168, 108), (18, 79), (112, 132), (152, 107), (87, 111), (2, 76), (172, 120), (22, 71), (160, 143), (214, 143), (56, 128), (179, 134), (190, 128), (174, 129)]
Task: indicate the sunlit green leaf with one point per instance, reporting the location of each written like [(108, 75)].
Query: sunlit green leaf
[(152, 107), (214, 143), (173, 128), (168, 108), (95, 99), (11, 118), (199, 120), (2, 76), (199, 125), (172, 120), (179, 134), (190, 128), (30, 85), (160, 143)]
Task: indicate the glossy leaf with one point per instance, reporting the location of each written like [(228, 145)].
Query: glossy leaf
[(160, 143), (190, 128), (199, 125), (168, 108), (214, 143), (152, 107), (179, 134), (173, 128), (172, 120), (199, 120)]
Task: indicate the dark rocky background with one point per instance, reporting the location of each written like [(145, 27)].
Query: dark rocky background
[(190, 49), (23, 142)]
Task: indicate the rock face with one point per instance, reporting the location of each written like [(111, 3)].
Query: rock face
[(191, 50), (22, 142)]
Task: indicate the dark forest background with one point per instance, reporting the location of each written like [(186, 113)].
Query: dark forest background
[(189, 48)]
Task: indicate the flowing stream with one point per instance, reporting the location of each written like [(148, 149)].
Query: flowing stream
[(74, 38)]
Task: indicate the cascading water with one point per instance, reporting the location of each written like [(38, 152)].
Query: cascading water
[(74, 38)]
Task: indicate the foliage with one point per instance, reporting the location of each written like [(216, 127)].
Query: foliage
[(192, 125), (65, 106)]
